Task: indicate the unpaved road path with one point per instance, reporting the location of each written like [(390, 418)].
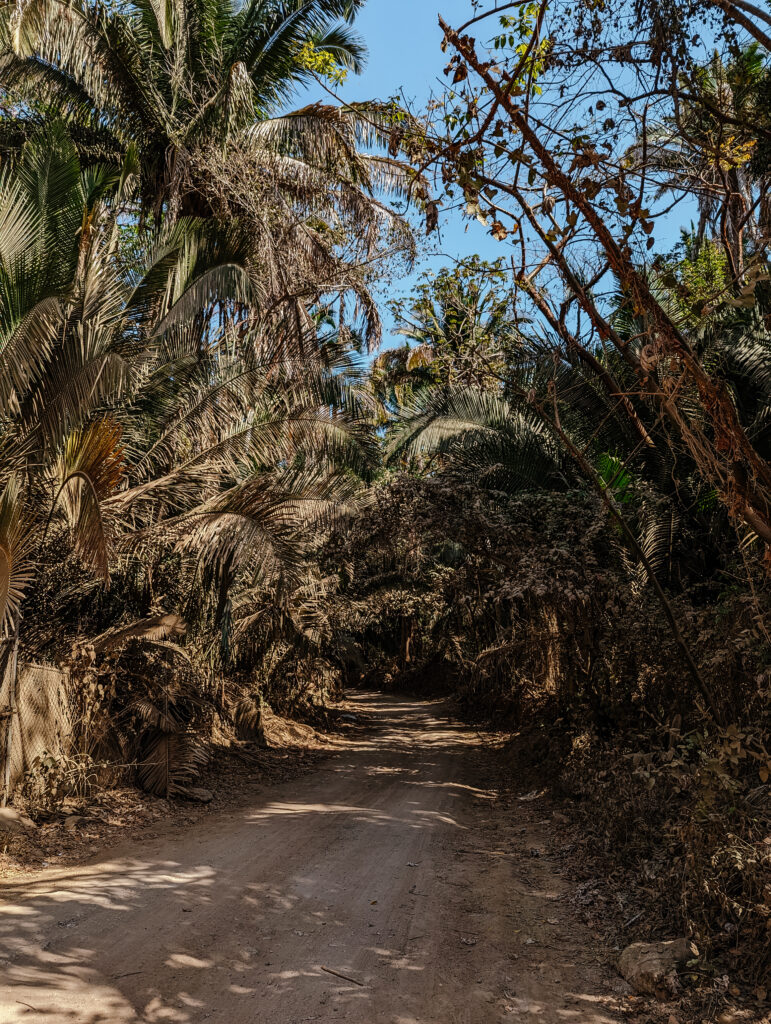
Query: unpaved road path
[(390, 863)]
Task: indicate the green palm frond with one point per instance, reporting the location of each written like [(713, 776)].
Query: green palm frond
[(482, 434)]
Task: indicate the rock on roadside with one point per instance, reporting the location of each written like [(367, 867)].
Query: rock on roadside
[(12, 820), (651, 967), (203, 796)]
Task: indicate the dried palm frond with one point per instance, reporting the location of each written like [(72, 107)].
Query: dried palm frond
[(16, 570), (170, 761), (90, 469), (157, 627), (247, 715)]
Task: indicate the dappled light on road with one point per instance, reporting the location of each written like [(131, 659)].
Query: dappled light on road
[(371, 890)]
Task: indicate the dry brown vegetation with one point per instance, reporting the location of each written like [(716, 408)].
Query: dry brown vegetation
[(552, 502)]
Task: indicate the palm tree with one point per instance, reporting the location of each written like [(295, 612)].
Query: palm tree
[(710, 150), (196, 90), (548, 405), (460, 322), (482, 436), (138, 430), (76, 335), (178, 79), (130, 392), (315, 207), (169, 78)]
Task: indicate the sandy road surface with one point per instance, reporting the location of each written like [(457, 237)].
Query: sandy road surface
[(390, 863)]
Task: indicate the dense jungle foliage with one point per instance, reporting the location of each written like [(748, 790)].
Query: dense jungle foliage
[(552, 498)]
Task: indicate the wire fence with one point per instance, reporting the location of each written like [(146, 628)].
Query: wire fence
[(34, 715)]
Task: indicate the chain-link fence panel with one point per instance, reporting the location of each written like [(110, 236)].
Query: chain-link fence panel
[(34, 715)]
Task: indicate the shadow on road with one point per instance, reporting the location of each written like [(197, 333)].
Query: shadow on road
[(359, 868)]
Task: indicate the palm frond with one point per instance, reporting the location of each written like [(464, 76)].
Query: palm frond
[(16, 569), (89, 470), (170, 761)]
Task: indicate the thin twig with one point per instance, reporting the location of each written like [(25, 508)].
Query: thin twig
[(345, 977)]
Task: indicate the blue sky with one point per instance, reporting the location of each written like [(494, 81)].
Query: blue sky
[(405, 57)]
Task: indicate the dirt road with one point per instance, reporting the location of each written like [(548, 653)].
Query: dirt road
[(390, 864)]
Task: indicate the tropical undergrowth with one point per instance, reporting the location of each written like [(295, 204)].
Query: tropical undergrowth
[(511, 562), (524, 608)]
